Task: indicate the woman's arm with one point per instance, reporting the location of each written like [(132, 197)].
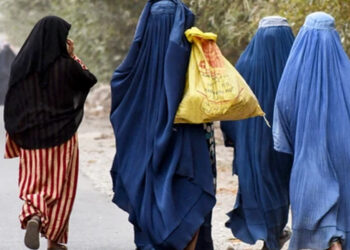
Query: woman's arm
[(77, 59), (81, 77)]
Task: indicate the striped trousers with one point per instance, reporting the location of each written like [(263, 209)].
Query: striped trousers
[(47, 182)]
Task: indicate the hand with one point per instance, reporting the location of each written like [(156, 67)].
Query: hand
[(70, 47)]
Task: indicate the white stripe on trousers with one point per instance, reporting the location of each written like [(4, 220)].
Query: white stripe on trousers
[(47, 181)]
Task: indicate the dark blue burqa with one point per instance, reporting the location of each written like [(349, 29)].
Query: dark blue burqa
[(161, 173), (6, 58), (261, 209), (312, 122)]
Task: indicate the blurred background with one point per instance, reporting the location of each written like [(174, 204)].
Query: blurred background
[(103, 29)]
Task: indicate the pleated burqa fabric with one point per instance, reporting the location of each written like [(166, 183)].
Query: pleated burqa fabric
[(262, 203), (312, 121), (162, 173), (6, 58)]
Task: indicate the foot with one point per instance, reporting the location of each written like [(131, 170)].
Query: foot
[(335, 246), (193, 243), (56, 246), (52, 245), (31, 238), (285, 236)]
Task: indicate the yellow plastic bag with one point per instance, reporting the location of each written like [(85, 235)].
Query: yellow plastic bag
[(214, 90)]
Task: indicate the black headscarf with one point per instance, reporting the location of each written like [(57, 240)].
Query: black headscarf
[(44, 104), (45, 44)]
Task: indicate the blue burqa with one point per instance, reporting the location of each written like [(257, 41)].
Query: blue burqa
[(262, 203), (161, 173), (312, 122)]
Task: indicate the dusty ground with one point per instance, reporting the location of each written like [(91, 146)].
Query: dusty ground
[(98, 148)]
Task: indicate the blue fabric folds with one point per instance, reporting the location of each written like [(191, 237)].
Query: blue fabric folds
[(312, 121), (261, 209), (161, 173)]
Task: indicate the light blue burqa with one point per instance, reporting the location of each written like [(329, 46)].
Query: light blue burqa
[(312, 122)]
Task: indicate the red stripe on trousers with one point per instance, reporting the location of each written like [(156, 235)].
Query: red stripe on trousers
[(48, 182)]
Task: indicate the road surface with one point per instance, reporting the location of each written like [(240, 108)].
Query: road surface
[(96, 223)]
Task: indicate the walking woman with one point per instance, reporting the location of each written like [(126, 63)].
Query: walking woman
[(311, 122), (43, 109), (162, 172), (262, 204)]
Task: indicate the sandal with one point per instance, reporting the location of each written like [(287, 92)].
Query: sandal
[(31, 238)]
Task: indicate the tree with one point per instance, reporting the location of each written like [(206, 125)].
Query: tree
[(235, 22), (103, 29), (297, 10)]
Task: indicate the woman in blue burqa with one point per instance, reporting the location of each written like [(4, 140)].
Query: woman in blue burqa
[(262, 203), (162, 172), (311, 122)]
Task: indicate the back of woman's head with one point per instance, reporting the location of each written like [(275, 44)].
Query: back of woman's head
[(317, 51), (317, 73), (45, 43), (318, 38)]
